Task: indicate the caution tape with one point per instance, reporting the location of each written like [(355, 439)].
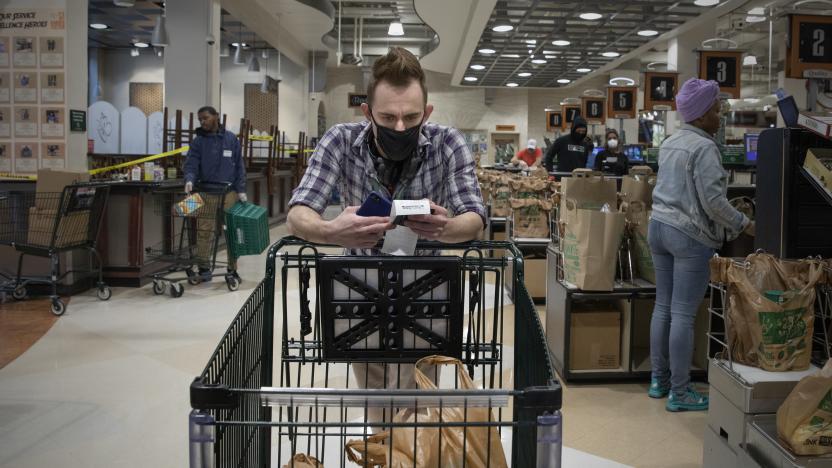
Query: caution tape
[(7, 175), (261, 138), (139, 161)]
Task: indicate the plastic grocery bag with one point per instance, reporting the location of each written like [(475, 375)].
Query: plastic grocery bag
[(434, 447), (302, 460), (804, 420), (771, 311)]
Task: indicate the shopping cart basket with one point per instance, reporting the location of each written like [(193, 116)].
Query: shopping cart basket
[(396, 310), (193, 225), (47, 224)]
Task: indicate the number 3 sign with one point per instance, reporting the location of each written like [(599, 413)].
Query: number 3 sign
[(724, 68), (809, 54)]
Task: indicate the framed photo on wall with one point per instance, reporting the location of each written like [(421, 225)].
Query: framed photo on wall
[(621, 102), (660, 90), (569, 114), (723, 67), (593, 110), (809, 51), (554, 121)]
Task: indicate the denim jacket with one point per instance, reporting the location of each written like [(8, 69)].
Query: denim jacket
[(691, 192)]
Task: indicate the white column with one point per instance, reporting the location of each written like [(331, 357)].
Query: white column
[(192, 65)]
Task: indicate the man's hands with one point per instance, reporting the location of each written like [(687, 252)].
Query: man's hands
[(189, 187), (242, 197), (356, 232), (431, 226)]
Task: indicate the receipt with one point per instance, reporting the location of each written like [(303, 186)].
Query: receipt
[(402, 240)]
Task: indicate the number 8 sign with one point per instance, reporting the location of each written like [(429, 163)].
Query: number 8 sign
[(724, 68), (809, 53)]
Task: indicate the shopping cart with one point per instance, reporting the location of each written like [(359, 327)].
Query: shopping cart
[(48, 224), (381, 311), (193, 225)]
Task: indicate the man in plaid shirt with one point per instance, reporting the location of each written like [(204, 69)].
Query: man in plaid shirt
[(396, 153)]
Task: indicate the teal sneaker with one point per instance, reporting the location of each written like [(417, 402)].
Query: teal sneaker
[(658, 390), (690, 400)]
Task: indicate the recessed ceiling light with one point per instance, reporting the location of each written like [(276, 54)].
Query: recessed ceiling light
[(510, 55), (758, 11), (531, 41), (477, 67), (539, 61), (235, 44), (470, 78), (705, 2), (395, 29), (98, 26), (141, 45), (648, 33), (502, 28), (754, 19), (550, 57), (551, 52), (591, 16), (524, 74), (564, 81), (512, 85), (561, 42), (583, 70), (610, 54), (487, 51)]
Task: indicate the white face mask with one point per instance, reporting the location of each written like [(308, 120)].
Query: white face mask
[(613, 144)]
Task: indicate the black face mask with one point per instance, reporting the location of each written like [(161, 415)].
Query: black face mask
[(397, 145)]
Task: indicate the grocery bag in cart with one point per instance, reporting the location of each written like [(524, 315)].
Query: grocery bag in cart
[(804, 420), (247, 227), (435, 447), (302, 460)]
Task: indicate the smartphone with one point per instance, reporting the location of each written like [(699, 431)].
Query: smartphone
[(376, 204)]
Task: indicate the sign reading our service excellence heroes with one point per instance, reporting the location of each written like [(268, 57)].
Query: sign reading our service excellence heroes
[(32, 89)]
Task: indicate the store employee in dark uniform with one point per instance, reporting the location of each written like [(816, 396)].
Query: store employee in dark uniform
[(571, 151), (612, 159), (214, 157)]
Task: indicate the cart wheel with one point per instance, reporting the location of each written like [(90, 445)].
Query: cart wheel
[(176, 290), (105, 293), (20, 292), (158, 287), (193, 278), (58, 307), (232, 282)]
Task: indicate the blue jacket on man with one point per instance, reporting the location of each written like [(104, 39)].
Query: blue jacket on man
[(216, 158)]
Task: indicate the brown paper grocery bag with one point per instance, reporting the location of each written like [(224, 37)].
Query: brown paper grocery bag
[(638, 185), (638, 219), (804, 420), (500, 195), (530, 217), (776, 336), (302, 460), (589, 190), (590, 244), (528, 187)]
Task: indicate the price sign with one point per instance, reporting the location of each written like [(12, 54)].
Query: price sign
[(724, 68), (593, 110), (809, 52), (621, 102), (569, 114), (554, 121), (660, 90)]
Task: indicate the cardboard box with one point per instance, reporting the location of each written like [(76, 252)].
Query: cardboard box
[(71, 230), (51, 183), (595, 340), (819, 163)]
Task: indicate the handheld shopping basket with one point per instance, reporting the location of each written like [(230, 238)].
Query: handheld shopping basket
[(239, 419)]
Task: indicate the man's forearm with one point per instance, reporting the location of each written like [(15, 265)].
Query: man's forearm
[(306, 223), (462, 228)]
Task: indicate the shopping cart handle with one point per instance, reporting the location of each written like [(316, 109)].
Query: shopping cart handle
[(212, 396), (548, 398)]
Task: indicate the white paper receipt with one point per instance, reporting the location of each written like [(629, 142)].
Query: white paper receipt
[(402, 240)]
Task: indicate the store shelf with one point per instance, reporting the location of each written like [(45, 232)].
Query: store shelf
[(818, 186)]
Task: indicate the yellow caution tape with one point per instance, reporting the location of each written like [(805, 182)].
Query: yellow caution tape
[(261, 138), (139, 161), (6, 175)]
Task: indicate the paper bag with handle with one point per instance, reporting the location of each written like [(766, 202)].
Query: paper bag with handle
[(589, 190), (434, 447), (500, 195), (638, 220), (638, 185), (590, 243), (530, 217), (804, 420), (302, 460), (771, 311)]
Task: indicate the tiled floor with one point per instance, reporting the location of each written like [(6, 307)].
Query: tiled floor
[(107, 386)]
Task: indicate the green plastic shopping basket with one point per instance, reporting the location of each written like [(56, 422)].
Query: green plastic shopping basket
[(247, 229)]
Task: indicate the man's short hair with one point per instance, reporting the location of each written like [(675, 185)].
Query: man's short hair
[(209, 109), (398, 68)]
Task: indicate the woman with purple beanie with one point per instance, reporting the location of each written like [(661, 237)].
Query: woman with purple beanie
[(691, 219)]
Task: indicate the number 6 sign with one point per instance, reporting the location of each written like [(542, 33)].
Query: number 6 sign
[(809, 53), (724, 68)]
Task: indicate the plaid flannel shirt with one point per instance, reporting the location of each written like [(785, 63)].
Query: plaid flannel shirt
[(447, 175)]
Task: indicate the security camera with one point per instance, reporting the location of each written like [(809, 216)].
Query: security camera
[(210, 39)]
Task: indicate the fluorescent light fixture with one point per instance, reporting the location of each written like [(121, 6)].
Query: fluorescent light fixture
[(564, 81), (512, 85), (583, 70), (477, 67), (622, 81), (539, 61), (706, 2), (140, 44), (509, 55), (134, 52), (487, 51), (754, 19), (749, 60), (591, 16), (531, 41), (395, 29), (610, 54), (648, 33), (502, 28), (524, 74), (561, 42), (758, 11), (159, 38), (549, 57), (236, 44), (98, 26), (550, 52), (470, 78)]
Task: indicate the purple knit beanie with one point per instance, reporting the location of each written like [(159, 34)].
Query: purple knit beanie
[(695, 98)]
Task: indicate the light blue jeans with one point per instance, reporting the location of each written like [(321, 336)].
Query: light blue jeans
[(682, 273)]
